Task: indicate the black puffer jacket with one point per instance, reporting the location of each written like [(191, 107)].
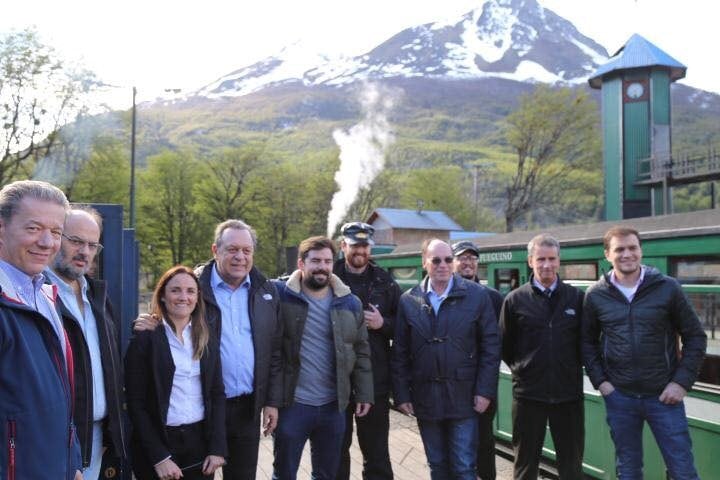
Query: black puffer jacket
[(384, 293), (634, 345), (541, 342)]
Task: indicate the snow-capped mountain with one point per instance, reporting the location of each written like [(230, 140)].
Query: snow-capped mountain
[(511, 39)]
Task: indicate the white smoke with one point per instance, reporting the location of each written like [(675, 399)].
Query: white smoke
[(362, 150)]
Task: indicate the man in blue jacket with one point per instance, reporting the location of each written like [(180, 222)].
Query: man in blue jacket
[(634, 318), (445, 362), (36, 369)]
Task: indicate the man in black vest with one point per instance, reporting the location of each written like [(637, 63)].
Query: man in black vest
[(540, 325), (379, 295)]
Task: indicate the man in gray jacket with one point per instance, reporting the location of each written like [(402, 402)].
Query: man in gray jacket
[(639, 314)]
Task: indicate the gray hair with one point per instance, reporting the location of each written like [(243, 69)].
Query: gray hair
[(236, 225), (542, 240), (83, 207), (13, 193)]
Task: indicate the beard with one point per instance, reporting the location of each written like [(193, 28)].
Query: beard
[(314, 283), (67, 269), (358, 260)]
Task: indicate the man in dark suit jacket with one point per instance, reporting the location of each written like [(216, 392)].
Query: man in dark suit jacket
[(87, 318)]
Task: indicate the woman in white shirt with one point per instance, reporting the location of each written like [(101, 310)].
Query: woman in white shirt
[(175, 392)]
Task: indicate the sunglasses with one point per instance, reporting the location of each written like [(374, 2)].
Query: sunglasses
[(438, 260)]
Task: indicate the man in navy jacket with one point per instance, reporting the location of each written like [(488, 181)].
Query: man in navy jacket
[(445, 362), (36, 369)]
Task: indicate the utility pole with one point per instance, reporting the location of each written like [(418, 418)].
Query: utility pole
[(132, 161)]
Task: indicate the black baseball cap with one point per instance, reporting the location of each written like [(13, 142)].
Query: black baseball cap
[(357, 232), (461, 247)]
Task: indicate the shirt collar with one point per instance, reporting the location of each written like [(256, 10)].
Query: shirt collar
[(542, 288), (20, 278), (65, 286), (430, 291), (217, 281), (615, 281)]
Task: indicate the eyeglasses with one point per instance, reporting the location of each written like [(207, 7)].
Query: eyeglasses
[(438, 260), (467, 258), (79, 243)]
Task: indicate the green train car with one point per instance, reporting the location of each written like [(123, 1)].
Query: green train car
[(685, 246)]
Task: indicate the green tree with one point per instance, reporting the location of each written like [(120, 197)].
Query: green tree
[(553, 132), (105, 176), (38, 94), (223, 192), (168, 221), (444, 188)]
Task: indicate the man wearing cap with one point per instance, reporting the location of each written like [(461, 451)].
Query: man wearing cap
[(465, 264), (540, 326), (379, 295)]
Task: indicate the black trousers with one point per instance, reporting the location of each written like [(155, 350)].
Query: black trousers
[(485, 461), (372, 432), (243, 438), (567, 427), (187, 445)]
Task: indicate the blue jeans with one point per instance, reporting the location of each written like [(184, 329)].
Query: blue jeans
[(324, 426), (626, 416), (450, 447)]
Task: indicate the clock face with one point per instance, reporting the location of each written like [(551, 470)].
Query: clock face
[(635, 90)]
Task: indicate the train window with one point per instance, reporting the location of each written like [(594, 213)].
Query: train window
[(578, 271), (404, 273), (698, 271), (482, 272), (507, 279), (707, 306)]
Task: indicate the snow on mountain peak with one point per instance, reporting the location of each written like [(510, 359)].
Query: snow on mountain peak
[(513, 39)]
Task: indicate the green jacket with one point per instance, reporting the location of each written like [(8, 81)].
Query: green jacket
[(352, 351)]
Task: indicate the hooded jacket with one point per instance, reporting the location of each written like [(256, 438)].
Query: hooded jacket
[(36, 427), (352, 352)]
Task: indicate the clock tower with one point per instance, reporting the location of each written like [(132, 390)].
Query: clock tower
[(635, 92)]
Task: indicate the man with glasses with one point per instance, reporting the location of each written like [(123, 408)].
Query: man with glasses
[(94, 336), (465, 264), (446, 355), (540, 325)]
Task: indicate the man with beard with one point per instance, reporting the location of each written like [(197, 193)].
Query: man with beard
[(465, 264), (634, 321), (87, 317), (325, 355), (379, 295), (445, 362)]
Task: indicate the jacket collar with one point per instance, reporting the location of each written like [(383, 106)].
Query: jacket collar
[(338, 287), (204, 273), (459, 287)]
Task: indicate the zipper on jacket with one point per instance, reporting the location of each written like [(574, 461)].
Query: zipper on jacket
[(11, 449)]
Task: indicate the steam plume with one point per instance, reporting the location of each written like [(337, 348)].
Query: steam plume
[(362, 151)]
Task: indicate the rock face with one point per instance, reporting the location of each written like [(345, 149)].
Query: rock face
[(510, 39)]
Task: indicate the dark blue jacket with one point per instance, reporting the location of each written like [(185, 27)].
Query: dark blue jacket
[(36, 426), (441, 362)]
